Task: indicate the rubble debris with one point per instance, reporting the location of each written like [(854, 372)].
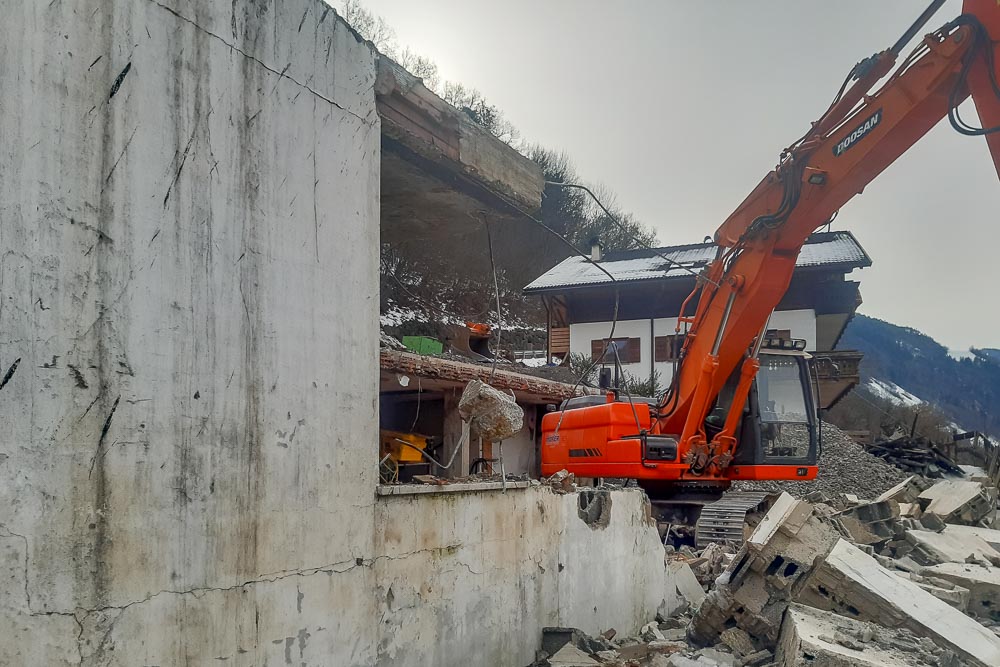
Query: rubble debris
[(493, 414), (812, 637), (844, 467), (555, 638), (852, 583), (571, 656), (961, 502), (915, 454), (738, 641), (982, 583), (682, 590), (906, 491), (870, 523), (947, 547), (990, 536), (562, 481), (753, 592), (947, 592)]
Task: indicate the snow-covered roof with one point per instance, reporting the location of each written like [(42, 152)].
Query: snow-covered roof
[(830, 250)]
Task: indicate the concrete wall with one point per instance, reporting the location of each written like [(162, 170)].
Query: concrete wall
[(471, 578), (188, 326), (189, 206)]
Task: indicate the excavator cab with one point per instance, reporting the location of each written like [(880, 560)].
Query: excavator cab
[(780, 424)]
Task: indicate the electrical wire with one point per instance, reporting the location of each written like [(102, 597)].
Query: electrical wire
[(635, 239), (621, 370), (416, 416), (981, 41), (496, 288)]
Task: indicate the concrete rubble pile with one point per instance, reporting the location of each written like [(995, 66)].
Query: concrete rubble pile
[(911, 577), (844, 467)]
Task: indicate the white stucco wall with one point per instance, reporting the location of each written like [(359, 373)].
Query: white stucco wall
[(581, 334), (189, 206), (802, 324)]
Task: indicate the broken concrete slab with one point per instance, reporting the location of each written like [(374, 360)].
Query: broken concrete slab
[(852, 583), (571, 656), (870, 523), (681, 590), (956, 596), (983, 584), (904, 492), (989, 535), (958, 501), (754, 590), (686, 582), (738, 641), (809, 637), (931, 548)]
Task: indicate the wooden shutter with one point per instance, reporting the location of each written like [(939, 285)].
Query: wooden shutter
[(633, 352), (661, 348), (596, 349), (559, 340), (667, 348)]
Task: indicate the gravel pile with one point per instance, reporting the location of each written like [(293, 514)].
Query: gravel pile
[(844, 467)]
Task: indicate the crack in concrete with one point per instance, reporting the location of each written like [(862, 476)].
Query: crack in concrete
[(280, 74), (329, 569), (27, 593)]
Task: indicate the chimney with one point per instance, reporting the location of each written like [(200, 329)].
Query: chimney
[(595, 249)]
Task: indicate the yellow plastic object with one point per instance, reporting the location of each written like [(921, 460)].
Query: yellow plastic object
[(399, 452)]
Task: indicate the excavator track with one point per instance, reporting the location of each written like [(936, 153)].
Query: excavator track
[(723, 520)]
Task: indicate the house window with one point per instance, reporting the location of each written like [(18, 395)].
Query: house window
[(780, 334), (668, 348), (628, 350)]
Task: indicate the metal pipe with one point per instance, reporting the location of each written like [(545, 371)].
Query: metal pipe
[(760, 338), (725, 321), (921, 21)]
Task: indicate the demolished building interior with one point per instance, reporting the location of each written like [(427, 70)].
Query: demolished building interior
[(218, 454)]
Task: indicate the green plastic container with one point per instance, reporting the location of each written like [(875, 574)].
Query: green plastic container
[(423, 345)]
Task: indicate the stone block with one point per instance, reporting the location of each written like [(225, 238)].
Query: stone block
[(983, 584), (960, 501), (755, 588), (950, 547), (871, 523), (851, 583), (812, 637)]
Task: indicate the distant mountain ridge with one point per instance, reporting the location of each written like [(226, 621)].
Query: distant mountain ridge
[(967, 390)]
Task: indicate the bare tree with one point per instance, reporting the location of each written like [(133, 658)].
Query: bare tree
[(373, 28)]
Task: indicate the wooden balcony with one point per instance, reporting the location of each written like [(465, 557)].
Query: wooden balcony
[(837, 371)]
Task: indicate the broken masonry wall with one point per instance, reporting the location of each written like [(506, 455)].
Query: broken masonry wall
[(189, 234), (472, 578)]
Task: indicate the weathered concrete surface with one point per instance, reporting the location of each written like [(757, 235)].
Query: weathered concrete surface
[(850, 582), (189, 199), (476, 578), (809, 637), (950, 547), (958, 501), (189, 206), (982, 582)]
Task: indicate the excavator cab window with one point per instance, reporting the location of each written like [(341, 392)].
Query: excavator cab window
[(786, 414)]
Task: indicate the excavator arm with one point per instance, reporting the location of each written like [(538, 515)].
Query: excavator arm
[(860, 135), (864, 130)]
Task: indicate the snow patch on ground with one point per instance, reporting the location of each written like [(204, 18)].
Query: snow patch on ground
[(891, 391)]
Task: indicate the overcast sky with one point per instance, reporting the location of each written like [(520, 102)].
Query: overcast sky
[(682, 107)]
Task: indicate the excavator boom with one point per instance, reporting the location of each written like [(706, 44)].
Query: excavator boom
[(699, 432)]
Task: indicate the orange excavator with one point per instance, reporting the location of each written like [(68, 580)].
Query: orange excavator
[(740, 404)]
